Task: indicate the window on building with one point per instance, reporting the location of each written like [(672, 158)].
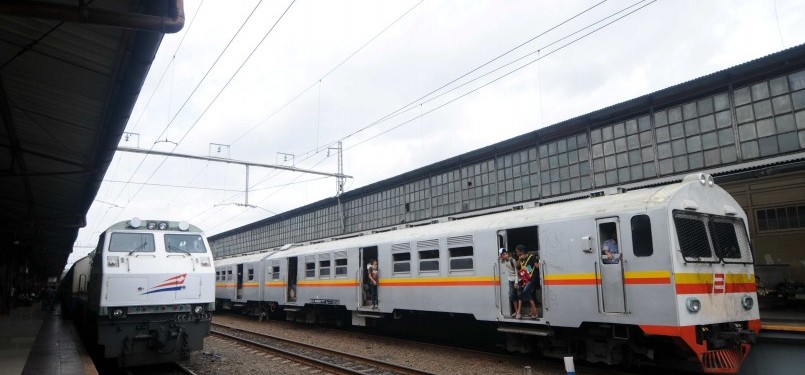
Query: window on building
[(780, 218)]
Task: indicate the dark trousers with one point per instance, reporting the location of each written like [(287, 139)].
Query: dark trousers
[(373, 292)]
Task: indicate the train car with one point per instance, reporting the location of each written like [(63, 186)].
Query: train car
[(679, 291), (238, 283), (146, 293)]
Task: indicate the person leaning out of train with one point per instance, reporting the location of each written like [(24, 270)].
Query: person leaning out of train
[(373, 273), (529, 279), (509, 269), (611, 254)]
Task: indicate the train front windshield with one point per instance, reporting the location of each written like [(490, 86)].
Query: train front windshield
[(132, 242), (184, 243), (712, 238)]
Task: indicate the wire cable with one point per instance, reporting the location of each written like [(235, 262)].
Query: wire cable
[(318, 81)]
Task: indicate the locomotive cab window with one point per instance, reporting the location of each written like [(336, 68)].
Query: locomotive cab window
[(711, 238), (184, 243), (642, 243), (132, 243)]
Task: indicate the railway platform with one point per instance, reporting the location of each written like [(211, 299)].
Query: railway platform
[(33, 341)]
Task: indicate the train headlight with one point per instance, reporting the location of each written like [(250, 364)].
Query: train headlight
[(710, 181), (135, 222), (151, 225), (118, 314), (183, 225), (693, 304), (198, 309), (747, 302), (113, 261), (163, 226)]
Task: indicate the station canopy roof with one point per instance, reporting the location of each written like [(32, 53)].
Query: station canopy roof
[(70, 73)]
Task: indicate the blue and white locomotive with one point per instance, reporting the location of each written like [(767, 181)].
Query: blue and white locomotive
[(146, 293), (681, 292)]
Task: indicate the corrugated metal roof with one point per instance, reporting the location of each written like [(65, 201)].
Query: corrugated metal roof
[(66, 92)]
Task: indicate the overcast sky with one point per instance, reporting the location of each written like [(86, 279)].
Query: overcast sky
[(329, 70)]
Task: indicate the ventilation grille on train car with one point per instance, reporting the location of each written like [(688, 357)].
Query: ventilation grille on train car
[(429, 244), (400, 247), (459, 240), (723, 361)]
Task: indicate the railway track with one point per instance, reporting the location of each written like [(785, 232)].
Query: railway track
[(324, 359)]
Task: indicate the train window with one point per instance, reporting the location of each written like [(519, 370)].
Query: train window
[(461, 258), (229, 275), (401, 263), (341, 267), (642, 243), (250, 274), (694, 243), (730, 240), (275, 273), (324, 268), (310, 269), (429, 260), (217, 275), (132, 242), (184, 243)]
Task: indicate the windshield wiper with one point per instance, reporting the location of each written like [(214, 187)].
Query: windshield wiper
[(138, 248), (172, 248)]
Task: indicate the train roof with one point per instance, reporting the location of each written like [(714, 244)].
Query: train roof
[(245, 258), (142, 224), (601, 206)]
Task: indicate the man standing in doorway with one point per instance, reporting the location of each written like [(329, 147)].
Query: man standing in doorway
[(529, 277)]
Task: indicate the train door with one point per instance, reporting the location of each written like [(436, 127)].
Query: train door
[(610, 263), (290, 289), (239, 287), (503, 285), (365, 257)]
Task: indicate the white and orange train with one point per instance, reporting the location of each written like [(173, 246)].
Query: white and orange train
[(681, 292)]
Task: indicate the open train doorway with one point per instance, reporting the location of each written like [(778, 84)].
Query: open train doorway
[(367, 255), (612, 292), (290, 286), (239, 288), (508, 294)]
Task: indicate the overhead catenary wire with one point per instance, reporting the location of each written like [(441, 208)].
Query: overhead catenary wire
[(408, 107), (214, 99), (502, 76), (318, 81), (203, 78), (171, 63), (319, 148)]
